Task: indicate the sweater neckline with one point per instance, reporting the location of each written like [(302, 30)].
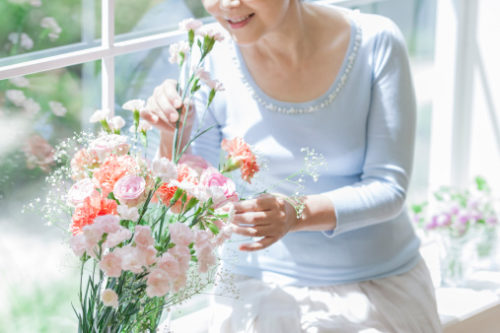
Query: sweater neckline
[(321, 102)]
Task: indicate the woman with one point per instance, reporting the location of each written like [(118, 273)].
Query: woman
[(304, 75)]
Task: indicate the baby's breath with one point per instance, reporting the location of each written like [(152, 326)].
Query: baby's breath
[(53, 206)]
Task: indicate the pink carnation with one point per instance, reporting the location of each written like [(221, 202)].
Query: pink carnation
[(241, 156), (82, 163), (181, 234), (108, 144), (113, 168), (195, 162), (206, 258), (110, 298), (190, 24), (183, 256), (158, 283), (143, 236), (111, 265), (131, 259), (107, 223), (169, 264), (130, 190), (117, 237), (78, 244)]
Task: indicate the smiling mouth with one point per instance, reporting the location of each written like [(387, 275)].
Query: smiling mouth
[(239, 20)]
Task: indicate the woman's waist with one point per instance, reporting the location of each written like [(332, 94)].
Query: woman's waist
[(351, 255)]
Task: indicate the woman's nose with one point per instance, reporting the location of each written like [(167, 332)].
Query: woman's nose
[(229, 3)]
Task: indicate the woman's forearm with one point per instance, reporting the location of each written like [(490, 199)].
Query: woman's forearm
[(318, 214), (166, 141)]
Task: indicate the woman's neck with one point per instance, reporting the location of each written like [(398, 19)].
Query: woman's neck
[(292, 40)]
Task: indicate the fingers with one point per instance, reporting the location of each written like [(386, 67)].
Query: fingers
[(259, 245), (169, 89), (264, 202), (253, 218), (255, 231)]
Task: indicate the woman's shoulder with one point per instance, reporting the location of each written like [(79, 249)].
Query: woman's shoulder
[(377, 29)]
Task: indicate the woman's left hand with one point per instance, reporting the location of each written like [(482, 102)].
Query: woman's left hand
[(268, 216)]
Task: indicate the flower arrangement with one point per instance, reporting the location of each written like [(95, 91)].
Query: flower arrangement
[(457, 212), (465, 225), (145, 231)]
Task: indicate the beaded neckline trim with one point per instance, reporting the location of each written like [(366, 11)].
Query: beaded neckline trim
[(321, 104)]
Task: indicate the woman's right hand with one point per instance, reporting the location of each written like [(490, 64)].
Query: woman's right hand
[(161, 111)]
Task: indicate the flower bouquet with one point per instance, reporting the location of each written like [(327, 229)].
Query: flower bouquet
[(465, 223), (145, 230)]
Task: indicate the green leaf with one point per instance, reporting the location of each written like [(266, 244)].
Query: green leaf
[(213, 228), (144, 138), (211, 97), (137, 118), (176, 196), (481, 184), (192, 202), (191, 38)]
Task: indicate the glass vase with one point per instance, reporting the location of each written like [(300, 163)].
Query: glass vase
[(458, 253)]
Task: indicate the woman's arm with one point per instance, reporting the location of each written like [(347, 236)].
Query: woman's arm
[(381, 193)]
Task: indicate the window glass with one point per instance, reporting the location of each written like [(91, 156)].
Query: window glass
[(137, 74), (39, 277), (32, 29), (136, 18)]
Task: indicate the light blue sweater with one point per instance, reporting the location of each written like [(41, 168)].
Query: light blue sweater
[(365, 128)]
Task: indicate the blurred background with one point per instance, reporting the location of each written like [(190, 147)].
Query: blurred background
[(456, 71)]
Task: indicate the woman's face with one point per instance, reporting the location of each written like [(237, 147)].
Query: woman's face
[(248, 20)]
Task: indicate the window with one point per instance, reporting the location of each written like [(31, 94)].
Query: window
[(60, 60)]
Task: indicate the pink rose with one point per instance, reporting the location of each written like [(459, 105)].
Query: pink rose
[(143, 236), (158, 283), (222, 188), (181, 234), (111, 265), (130, 190)]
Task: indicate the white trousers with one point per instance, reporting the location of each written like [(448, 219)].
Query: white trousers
[(402, 303)]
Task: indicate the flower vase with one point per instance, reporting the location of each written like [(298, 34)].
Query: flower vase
[(487, 249), (457, 256)]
